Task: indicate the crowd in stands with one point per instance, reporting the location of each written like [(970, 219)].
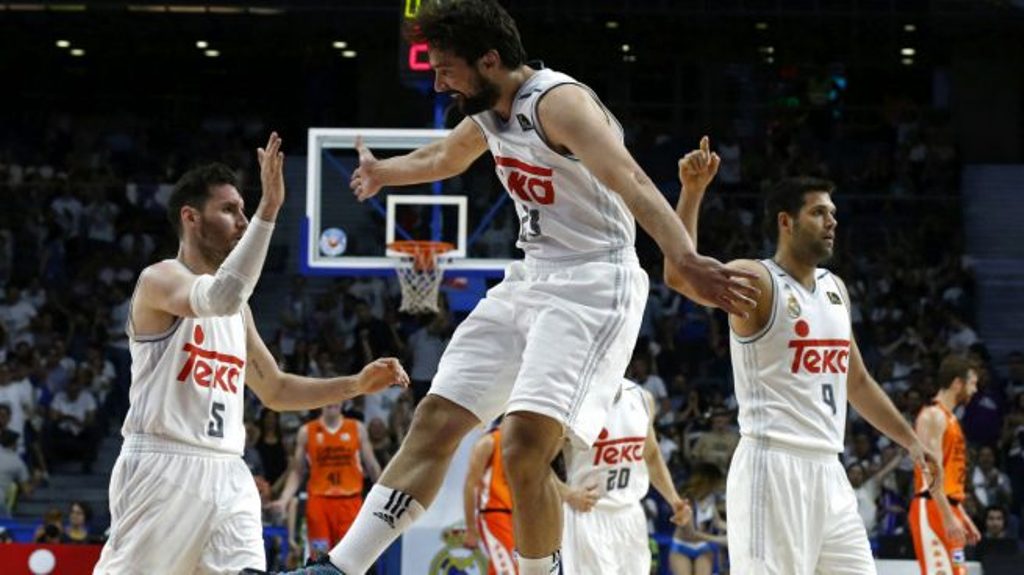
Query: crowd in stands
[(78, 225)]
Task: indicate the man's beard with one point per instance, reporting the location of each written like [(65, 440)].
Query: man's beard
[(212, 251), (485, 98)]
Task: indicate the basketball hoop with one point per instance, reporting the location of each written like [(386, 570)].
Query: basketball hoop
[(420, 269)]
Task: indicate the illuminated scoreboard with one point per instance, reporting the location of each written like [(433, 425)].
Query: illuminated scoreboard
[(413, 63)]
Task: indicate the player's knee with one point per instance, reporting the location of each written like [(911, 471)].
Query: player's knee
[(440, 425), (529, 443)]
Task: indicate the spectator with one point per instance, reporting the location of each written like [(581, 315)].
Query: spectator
[(72, 433), (52, 529), (272, 451), (17, 398), (991, 486), (426, 345), (868, 489), (695, 544), (995, 523), (716, 445), (640, 372), (77, 529), (14, 476)]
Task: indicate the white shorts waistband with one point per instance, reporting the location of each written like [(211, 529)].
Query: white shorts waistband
[(144, 443), (790, 449), (624, 255)]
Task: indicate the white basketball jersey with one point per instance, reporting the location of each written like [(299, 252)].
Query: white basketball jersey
[(188, 383), (615, 463), (564, 211), (791, 377)]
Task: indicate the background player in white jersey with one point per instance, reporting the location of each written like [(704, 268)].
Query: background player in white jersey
[(552, 340), (790, 506), (605, 526), (182, 501)]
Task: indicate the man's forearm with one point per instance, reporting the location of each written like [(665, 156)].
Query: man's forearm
[(421, 165), (688, 210), (868, 398), (295, 392), (657, 218)]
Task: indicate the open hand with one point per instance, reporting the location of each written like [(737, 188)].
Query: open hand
[(364, 183)]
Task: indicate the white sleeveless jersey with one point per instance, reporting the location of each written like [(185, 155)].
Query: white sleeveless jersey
[(791, 377), (188, 383), (564, 211), (615, 463)]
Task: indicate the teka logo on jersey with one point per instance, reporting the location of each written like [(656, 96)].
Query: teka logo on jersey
[(210, 368), (528, 182), (615, 451), (818, 355)]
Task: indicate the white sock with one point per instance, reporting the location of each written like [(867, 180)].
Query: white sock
[(385, 515), (550, 565)]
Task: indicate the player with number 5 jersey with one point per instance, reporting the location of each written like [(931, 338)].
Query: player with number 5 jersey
[(182, 501), (796, 364)]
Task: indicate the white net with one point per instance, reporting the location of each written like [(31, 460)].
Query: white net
[(419, 274)]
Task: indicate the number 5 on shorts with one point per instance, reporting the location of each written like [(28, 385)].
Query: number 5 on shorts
[(828, 396)]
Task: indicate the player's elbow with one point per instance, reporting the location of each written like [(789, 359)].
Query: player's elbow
[(217, 296)]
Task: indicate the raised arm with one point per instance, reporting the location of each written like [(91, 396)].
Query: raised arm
[(482, 452), (167, 289), (282, 391), (436, 161), (573, 119)]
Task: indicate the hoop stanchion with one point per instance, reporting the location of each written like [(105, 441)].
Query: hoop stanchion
[(420, 270)]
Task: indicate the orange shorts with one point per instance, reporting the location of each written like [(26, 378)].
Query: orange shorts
[(935, 554), (328, 519), (496, 534)]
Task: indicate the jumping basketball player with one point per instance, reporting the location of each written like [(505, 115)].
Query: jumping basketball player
[(550, 342), (337, 453), (487, 504), (605, 525), (939, 525), (795, 364), (182, 501)]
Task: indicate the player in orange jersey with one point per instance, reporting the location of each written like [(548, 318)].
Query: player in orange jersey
[(487, 501), (338, 454), (939, 525)]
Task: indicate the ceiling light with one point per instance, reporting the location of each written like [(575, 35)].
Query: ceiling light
[(907, 51), (212, 53), (909, 28), (761, 26), (348, 54), (77, 52), (339, 44), (63, 44), (202, 44), (908, 61), (611, 24), (626, 48)]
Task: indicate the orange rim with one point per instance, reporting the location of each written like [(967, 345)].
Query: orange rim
[(422, 252)]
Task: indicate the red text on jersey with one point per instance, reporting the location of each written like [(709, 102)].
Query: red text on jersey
[(528, 182), (820, 355), (210, 368), (615, 451)]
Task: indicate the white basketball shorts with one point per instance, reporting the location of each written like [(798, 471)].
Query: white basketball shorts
[(614, 542), (552, 338), (793, 512), (179, 510)]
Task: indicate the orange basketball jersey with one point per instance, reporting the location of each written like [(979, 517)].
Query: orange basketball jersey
[(954, 459), (495, 495), (334, 465)]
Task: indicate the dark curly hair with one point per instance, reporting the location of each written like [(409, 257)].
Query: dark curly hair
[(469, 29), (788, 196)]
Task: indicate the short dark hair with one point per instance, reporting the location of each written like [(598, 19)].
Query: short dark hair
[(952, 367), (788, 196), (193, 189), (469, 29)]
